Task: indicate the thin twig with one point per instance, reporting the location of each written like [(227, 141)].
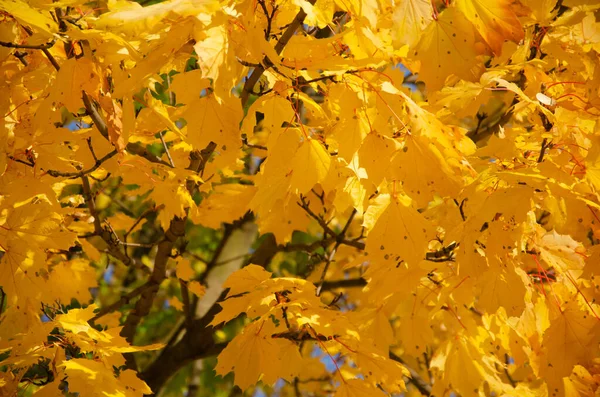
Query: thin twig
[(121, 302), (422, 386), (44, 50), (339, 240), (245, 142), (29, 46), (132, 147), (74, 175), (21, 57), (105, 234), (89, 142), (348, 283), (305, 205), (513, 383), (162, 139), (545, 146), (21, 161)]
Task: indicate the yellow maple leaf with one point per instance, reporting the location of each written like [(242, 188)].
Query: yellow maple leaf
[(304, 177), (254, 354), (447, 47), (28, 15), (494, 20), (246, 279), (197, 289), (184, 269), (410, 18), (75, 76), (83, 375), (212, 120), (188, 86), (571, 339), (226, 204), (379, 369), (400, 234)]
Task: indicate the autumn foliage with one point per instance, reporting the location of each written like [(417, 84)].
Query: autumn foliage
[(300, 198)]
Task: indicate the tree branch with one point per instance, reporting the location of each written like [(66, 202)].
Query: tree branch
[(339, 239), (283, 40), (197, 343), (122, 301), (349, 283), (74, 175), (132, 147), (113, 249), (44, 50), (29, 46), (176, 229), (422, 386)]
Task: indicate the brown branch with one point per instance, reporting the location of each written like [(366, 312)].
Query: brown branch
[(51, 59), (545, 146), (422, 386), (187, 309), (21, 161), (339, 239), (195, 344), (121, 302), (139, 150), (144, 304), (132, 147), (306, 247), (283, 40), (21, 57), (74, 175), (113, 249), (305, 205), (176, 229), (29, 46), (245, 142), (44, 50), (349, 283), (162, 140), (269, 16), (89, 201)]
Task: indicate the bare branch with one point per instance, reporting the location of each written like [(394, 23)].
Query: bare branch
[(29, 46), (121, 302), (187, 308), (74, 175), (245, 142), (349, 283), (113, 249), (339, 239), (162, 139), (422, 386), (44, 50)]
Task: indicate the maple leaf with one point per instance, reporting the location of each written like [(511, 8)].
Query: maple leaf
[(494, 20), (309, 152), (431, 167), (449, 40), (24, 13), (254, 354), (81, 373), (567, 341), (400, 233)]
